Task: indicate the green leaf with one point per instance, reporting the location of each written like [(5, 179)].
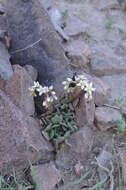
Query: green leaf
[(49, 127), (51, 134), (46, 135), (35, 179), (57, 119)]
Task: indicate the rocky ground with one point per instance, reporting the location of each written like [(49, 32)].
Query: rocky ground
[(48, 40)]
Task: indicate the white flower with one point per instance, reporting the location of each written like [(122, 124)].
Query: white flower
[(82, 84), (50, 96), (81, 81), (80, 78), (43, 90), (36, 85), (89, 87), (34, 88), (88, 91), (40, 90), (88, 96), (66, 84), (54, 95), (32, 91), (48, 101)]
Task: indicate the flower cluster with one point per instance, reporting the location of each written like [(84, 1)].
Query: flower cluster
[(48, 92), (67, 84), (80, 82)]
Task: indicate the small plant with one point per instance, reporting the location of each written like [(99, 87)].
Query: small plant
[(119, 181), (34, 177), (120, 126), (12, 182), (48, 92), (79, 83), (60, 123), (118, 101), (64, 18), (108, 24)]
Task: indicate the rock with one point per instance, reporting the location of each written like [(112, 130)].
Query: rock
[(48, 176), (20, 138), (17, 88), (31, 29), (123, 4), (102, 92), (76, 148), (56, 18), (104, 160), (2, 9), (113, 66), (108, 4), (78, 168), (105, 60), (2, 84), (46, 3), (122, 157), (79, 55), (106, 118), (4, 36), (5, 65), (84, 111), (32, 72), (118, 93), (75, 27)]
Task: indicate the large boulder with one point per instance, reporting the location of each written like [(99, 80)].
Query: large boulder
[(118, 92), (76, 148), (48, 176), (84, 111), (5, 65), (20, 138), (108, 4), (17, 88), (106, 118), (32, 72), (123, 4), (102, 92), (34, 40)]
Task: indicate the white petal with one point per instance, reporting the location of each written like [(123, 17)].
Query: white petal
[(53, 93), (93, 89), (31, 89), (51, 88), (55, 97), (65, 87), (64, 82), (48, 99), (69, 79), (44, 103), (51, 99), (86, 95), (40, 93), (82, 87)]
